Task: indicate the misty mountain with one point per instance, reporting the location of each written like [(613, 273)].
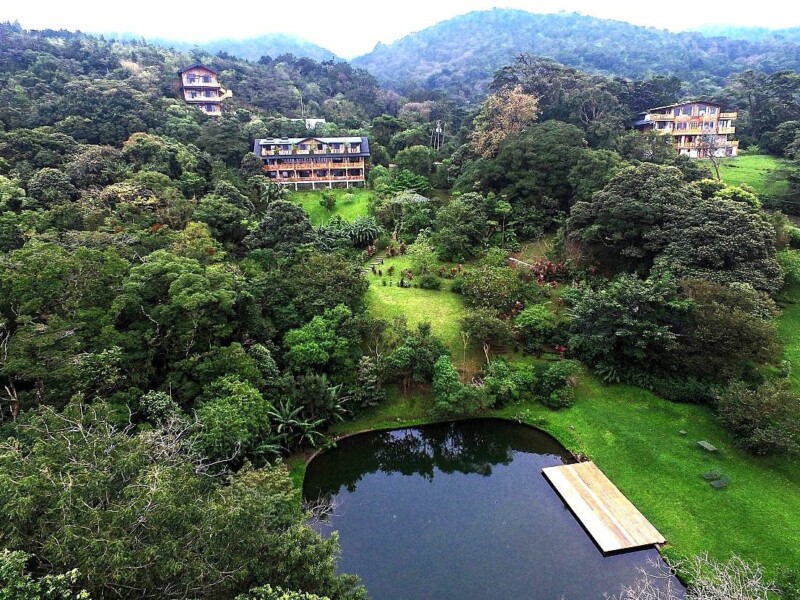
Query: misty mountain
[(270, 44), (461, 54), (753, 34)]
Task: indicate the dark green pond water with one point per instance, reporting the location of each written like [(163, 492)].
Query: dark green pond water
[(461, 511)]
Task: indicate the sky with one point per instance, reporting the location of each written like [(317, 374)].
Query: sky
[(353, 27)]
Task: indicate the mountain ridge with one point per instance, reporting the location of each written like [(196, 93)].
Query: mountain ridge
[(461, 54), (250, 48)]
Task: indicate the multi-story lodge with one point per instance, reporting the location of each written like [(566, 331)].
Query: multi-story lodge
[(314, 160), (201, 88), (698, 129)]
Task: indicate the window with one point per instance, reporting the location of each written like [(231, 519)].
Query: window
[(191, 78), (712, 110), (206, 78)]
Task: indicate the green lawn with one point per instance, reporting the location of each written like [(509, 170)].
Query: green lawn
[(441, 308), (358, 207), (757, 170), (789, 330)]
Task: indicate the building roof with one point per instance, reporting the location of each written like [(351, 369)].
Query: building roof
[(197, 66), (325, 140), (649, 110)]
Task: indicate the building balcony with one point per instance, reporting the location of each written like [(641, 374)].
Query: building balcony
[(659, 117), (200, 98), (726, 130), (313, 165), (199, 83), (728, 115), (308, 152), (317, 179), (700, 144)]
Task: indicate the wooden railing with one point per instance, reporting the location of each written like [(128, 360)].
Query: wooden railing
[(728, 115), (199, 83), (660, 117), (309, 166), (299, 152), (318, 179)]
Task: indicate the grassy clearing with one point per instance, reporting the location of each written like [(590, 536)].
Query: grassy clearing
[(535, 250), (347, 210), (635, 438), (789, 330), (441, 308), (759, 171)]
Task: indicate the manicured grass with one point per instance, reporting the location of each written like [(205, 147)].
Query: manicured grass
[(789, 330), (759, 171), (634, 437), (441, 308), (347, 210), (399, 410)]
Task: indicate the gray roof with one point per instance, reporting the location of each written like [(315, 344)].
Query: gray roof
[(198, 66), (649, 110), (324, 140)]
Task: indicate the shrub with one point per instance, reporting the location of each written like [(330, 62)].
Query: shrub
[(429, 282), (452, 397), (765, 420), (500, 384), (560, 398), (559, 374), (682, 389), (534, 326), (790, 264)]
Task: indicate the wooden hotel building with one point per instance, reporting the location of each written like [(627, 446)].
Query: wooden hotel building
[(314, 161)]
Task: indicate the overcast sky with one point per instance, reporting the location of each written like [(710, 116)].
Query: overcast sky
[(353, 27)]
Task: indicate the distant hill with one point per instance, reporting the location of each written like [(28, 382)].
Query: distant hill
[(753, 34), (461, 54), (271, 44)]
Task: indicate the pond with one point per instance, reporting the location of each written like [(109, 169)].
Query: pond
[(460, 510)]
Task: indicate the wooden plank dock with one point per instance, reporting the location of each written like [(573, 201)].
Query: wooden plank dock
[(609, 517)]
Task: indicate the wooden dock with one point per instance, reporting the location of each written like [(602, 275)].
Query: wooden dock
[(609, 517)]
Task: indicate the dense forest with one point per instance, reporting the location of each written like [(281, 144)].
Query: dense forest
[(173, 324), (460, 55)]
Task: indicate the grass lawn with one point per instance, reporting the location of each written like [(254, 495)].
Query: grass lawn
[(347, 210), (441, 308), (757, 171), (789, 330)]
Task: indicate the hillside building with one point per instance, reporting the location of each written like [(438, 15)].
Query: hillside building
[(698, 129), (200, 87), (314, 161)]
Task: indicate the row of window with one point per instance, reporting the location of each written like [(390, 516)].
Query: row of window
[(687, 110), (196, 78), (203, 94)]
